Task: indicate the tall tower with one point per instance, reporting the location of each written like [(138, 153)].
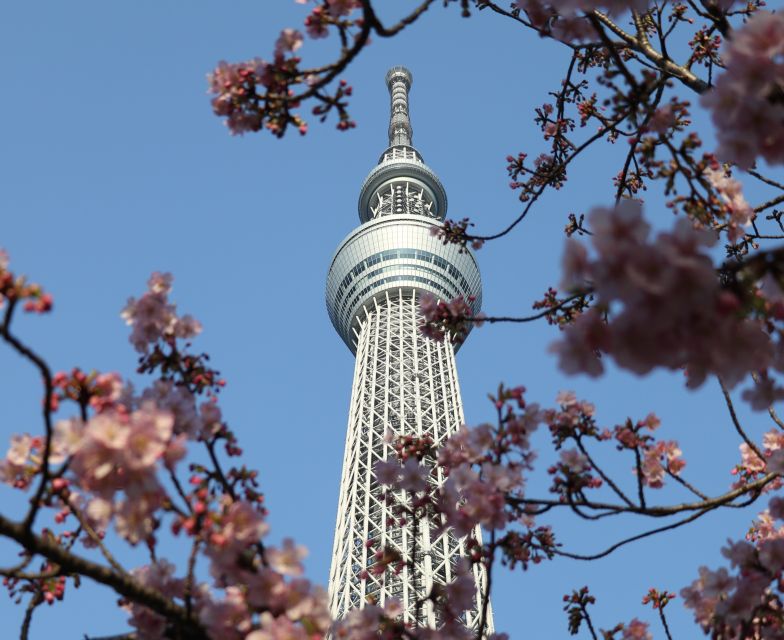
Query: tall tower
[(403, 382)]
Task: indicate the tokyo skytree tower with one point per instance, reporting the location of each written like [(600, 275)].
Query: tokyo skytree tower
[(404, 383)]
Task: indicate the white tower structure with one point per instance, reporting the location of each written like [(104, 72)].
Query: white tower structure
[(403, 382)]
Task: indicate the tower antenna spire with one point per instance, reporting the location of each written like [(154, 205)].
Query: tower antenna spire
[(399, 81)]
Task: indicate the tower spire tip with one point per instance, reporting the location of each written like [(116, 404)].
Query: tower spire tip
[(399, 80)]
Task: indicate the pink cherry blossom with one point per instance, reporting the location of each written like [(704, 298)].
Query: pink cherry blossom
[(740, 554), (158, 576), (16, 468), (413, 476), (288, 559), (340, 8), (776, 507), (154, 318), (666, 305), (731, 193), (575, 461), (764, 393), (243, 524), (744, 101), (460, 593), (178, 400), (117, 450), (280, 628), (288, 42), (578, 350), (316, 24), (636, 630), (771, 554), (134, 517), (227, 618)]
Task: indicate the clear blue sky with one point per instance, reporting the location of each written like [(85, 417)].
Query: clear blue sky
[(112, 166)]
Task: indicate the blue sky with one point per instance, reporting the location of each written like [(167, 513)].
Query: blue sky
[(112, 166)]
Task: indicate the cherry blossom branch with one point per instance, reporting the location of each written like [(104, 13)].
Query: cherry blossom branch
[(46, 407), (736, 422), (180, 491), (624, 542), (124, 585), (480, 632), (370, 22), (95, 537), (388, 32), (639, 474), (602, 474), (774, 416), (664, 623), (770, 203), (188, 592), (726, 499), (35, 601), (531, 318), (682, 481), (538, 192), (765, 179), (667, 66)]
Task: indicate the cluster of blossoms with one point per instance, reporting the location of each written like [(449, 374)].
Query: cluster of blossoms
[(733, 202), (766, 459), (746, 604), (658, 458), (15, 288), (119, 452), (486, 464), (154, 318), (746, 101), (456, 232), (576, 607), (107, 467), (559, 311), (238, 100), (453, 319), (659, 304)]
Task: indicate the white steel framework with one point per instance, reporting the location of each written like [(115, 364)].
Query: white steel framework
[(404, 383)]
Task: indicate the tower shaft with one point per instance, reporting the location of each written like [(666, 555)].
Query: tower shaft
[(404, 384)]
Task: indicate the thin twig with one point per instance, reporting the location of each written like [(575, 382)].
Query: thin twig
[(738, 428)]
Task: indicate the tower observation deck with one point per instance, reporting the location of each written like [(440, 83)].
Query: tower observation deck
[(404, 383)]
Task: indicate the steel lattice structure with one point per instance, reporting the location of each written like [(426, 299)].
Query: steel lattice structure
[(404, 383)]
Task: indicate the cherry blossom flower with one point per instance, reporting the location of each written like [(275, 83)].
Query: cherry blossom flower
[(745, 99), (731, 192), (16, 468), (665, 302), (575, 461), (340, 8), (636, 630), (178, 400), (460, 592), (454, 318), (158, 576), (288, 559), (243, 524), (288, 42), (764, 393), (657, 459), (316, 23), (134, 517), (154, 318), (227, 618), (280, 628)]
